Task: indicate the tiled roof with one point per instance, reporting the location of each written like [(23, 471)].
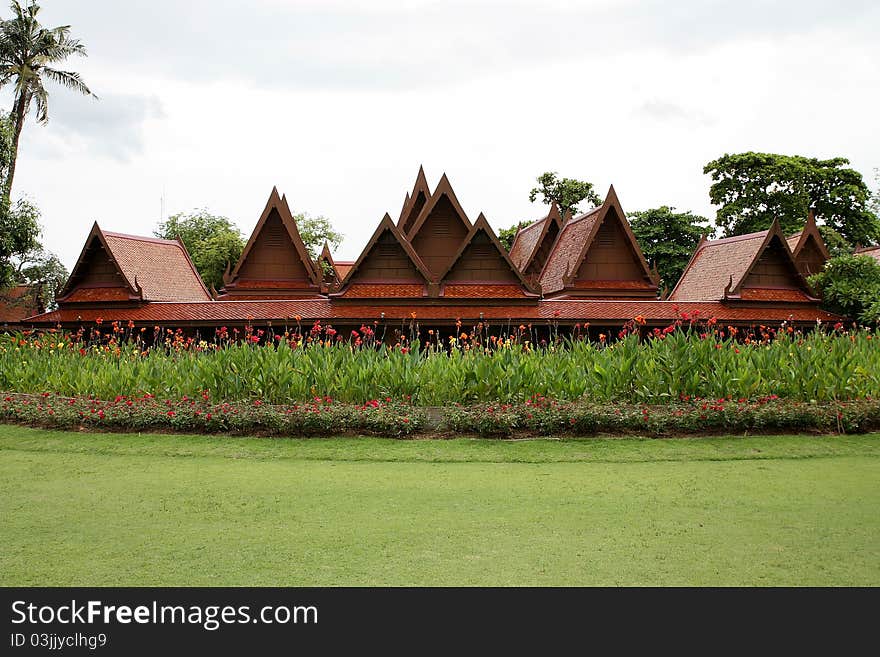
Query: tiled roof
[(714, 263), (484, 291), (99, 294), (383, 290), (773, 294), (525, 243), (610, 312), (793, 241), (162, 268), (873, 251), (18, 302), (563, 259)]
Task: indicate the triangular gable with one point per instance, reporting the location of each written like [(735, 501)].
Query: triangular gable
[(481, 260), (440, 228), (275, 251), (329, 273), (772, 268), (387, 267), (808, 248), (597, 254), (532, 244), (414, 202), (97, 276)]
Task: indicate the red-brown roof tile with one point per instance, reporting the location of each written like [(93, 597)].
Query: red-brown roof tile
[(383, 290), (773, 294), (871, 251), (564, 259), (18, 302), (714, 264), (99, 294), (484, 291), (529, 240), (162, 268)]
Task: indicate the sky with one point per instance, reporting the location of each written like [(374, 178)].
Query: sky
[(211, 103)]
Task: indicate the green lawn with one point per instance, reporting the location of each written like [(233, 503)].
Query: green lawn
[(128, 509)]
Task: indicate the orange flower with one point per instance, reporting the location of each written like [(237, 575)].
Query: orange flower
[(601, 337)]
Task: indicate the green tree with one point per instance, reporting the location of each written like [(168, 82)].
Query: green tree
[(19, 235), (668, 239), (315, 231), (754, 188), (27, 51), (567, 192), (506, 235), (212, 242), (850, 286), (43, 268), (835, 242)]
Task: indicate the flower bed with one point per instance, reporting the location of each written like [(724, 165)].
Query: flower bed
[(319, 417), (537, 416), (687, 358)]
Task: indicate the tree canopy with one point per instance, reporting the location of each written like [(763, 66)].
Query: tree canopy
[(506, 235), (566, 192), (212, 241), (668, 239), (850, 285), (315, 231), (754, 188)]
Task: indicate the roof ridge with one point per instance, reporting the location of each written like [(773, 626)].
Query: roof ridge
[(761, 234), (142, 238)]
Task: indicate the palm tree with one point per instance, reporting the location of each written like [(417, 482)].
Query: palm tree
[(26, 51)]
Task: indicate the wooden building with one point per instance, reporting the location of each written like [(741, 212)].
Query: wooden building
[(435, 267), (116, 271), (275, 263), (17, 303), (808, 248), (756, 270)]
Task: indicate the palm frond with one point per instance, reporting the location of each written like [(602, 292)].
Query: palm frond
[(42, 99), (69, 79)]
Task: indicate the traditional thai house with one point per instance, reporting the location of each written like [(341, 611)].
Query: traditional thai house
[(433, 268), (597, 256), (755, 270), (388, 268), (17, 303), (275, 263), (116, 271), (439, 229), (808, 248)]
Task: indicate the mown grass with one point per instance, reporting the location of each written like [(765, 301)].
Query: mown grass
[(105, 509)]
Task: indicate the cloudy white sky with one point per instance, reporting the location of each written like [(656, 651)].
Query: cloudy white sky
[(210, 103)]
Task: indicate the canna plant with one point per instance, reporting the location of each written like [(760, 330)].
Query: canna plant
[(684, 361)]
